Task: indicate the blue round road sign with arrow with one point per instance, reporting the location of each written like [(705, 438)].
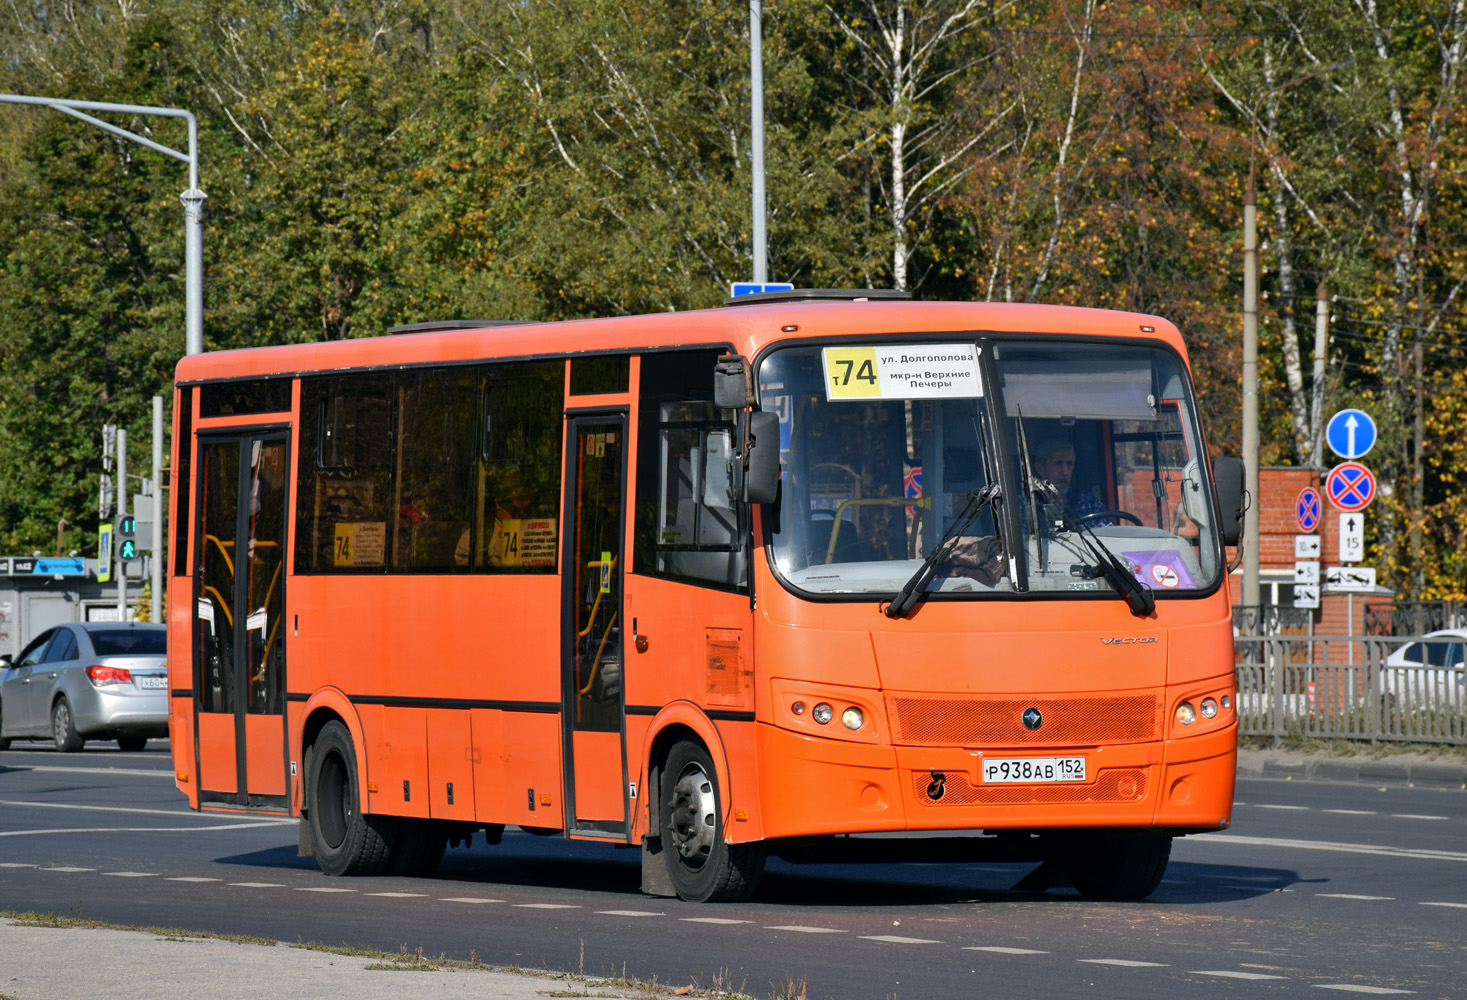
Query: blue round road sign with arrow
[(1350, 433)]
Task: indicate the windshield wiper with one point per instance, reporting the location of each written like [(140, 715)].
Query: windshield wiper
[(1138, 596), (903, 600)]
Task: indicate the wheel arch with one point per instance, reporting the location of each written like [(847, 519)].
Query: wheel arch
[(324, 706), (680, 720)]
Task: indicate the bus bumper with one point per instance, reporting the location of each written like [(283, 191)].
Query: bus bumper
[(815, 786)]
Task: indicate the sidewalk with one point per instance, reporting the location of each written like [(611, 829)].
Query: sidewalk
[(76, 963), (1396, 769)]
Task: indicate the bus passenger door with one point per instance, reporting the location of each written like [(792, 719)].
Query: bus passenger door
[(594, 746), (239, 606)]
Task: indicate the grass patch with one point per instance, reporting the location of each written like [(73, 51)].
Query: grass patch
[(33, 919)]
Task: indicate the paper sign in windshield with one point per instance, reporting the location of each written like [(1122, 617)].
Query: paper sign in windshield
[(1160, 569), (906, 371)]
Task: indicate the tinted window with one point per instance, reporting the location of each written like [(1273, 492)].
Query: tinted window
[(437, 462), (608, 373), (183, 478), (130, 642), (62, 648), (346, 450), (689, 518), (256, 396)]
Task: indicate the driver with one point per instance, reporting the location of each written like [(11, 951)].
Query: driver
[(1053, 459)]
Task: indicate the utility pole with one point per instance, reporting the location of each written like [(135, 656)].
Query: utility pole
[(155, 599), (756, 107), (121, 514)]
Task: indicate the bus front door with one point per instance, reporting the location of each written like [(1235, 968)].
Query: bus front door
[(594, 740), (239, 607)]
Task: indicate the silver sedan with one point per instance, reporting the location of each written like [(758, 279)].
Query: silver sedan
[(89, 681)]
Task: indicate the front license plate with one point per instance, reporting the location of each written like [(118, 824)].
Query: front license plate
[(999, 770), (152, 682)]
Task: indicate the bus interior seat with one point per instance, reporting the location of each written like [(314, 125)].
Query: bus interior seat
[(847, 541)]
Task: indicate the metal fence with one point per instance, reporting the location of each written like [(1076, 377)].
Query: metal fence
[(1350, 687), (1407, 618)]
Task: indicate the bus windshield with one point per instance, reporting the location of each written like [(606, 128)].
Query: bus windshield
[(897, 452)]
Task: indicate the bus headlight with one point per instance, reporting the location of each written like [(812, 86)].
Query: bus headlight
[(1209, 708), (852, 718), (1186, 714), (798, 708), (822, 713)]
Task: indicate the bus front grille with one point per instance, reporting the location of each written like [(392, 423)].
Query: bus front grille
[(1118, 784), (1075, 720)]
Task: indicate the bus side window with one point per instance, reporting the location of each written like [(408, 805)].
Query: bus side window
[(341, 498), (689, 523)]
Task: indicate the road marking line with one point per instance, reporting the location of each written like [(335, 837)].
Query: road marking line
[(1351, 812), (896, 939), (1288, 808), (321, 888), (1350, 988), (400, 895), (467, 899), (137, 829), (1000, 950), (548, 906), (1227, 974), (1458, 906), (630, 913), (713, 920), (1324, 845), (110, 771), (259, 885), (1415, 816), (801, 929), (1124, 963), (66, 868), (133, 874), (182, 813), (192, 878), (1351, 895), (16, 864)]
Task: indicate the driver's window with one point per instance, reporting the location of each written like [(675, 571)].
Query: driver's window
[(36, 652)]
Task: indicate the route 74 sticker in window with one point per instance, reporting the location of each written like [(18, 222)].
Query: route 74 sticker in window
[(902, 371)]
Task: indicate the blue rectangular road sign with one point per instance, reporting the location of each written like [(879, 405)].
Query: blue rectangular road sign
[(754, 288)]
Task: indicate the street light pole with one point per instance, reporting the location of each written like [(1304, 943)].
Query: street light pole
[(756, 148), (1250, 592), (193, 198)]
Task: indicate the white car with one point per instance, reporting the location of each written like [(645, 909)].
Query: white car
[(1427, 673)]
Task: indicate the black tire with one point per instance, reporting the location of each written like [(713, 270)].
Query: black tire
[(132, 744), (1118, 865), (347, 841), (419, 848), (704, 867), (63, 727)]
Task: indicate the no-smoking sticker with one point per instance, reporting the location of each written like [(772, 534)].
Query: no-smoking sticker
[(1164, 575)]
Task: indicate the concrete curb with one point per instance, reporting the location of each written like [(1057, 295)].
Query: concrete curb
[(1404, 770)]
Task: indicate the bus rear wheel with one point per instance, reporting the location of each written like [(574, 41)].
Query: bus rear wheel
[(704, 867), (1118, 864), (347, 841)]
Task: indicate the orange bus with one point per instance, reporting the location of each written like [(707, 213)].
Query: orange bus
[(828, 575)]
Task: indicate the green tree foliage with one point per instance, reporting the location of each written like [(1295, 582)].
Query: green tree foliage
[(376, 162)]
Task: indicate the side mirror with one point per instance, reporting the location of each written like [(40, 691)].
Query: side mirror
[(731, 389), (6, 660), (761, 481), (1227, 478)]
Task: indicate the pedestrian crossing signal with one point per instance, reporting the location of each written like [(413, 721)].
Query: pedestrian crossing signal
[(127, 545)]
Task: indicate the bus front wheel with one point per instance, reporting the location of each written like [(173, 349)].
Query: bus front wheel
[(347, 841), (704, 867), (1118, 864)]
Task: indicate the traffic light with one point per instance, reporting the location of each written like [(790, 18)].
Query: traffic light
[(127, 544)]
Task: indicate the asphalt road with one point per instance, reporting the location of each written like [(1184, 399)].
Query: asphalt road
[(1347, 888)]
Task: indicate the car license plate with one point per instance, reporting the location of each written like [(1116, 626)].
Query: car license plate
[(1001, 770), (145, 681)]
